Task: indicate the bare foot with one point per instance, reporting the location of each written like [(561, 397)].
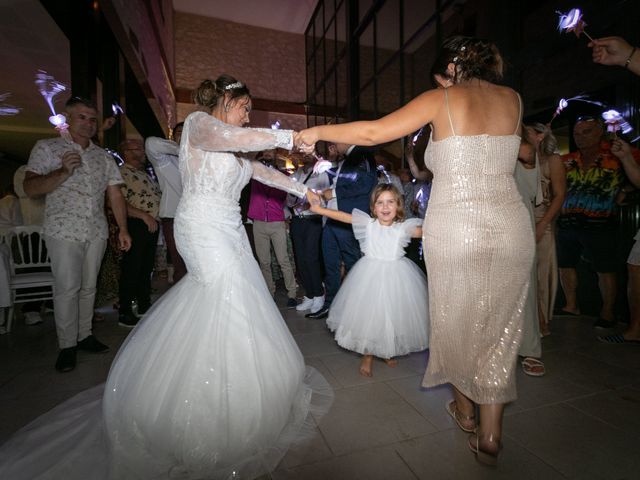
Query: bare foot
[(365, 366), (392, 362)]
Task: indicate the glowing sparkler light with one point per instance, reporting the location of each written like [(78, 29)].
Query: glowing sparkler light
[(49, 87), (7, 110), (564, 102), (119, 160), (381, 169), (416, 136), (321, 165), (116, 109), (276, 125), (572, 22), (616, 122)]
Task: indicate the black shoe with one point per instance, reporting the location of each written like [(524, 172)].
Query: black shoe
[(127, 320), (66, 359), (322, 313), (142, 309), (91, 344), (602, 323), (292, 303)]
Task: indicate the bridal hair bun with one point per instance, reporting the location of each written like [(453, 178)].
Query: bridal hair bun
[(209, 93), (473, 58)]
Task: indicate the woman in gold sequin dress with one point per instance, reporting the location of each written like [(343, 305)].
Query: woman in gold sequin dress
[(478, 236)]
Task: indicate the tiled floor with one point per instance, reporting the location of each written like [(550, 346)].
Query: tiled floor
[(581, 420)]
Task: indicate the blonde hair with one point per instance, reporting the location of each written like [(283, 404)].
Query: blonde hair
[(549, 143), (387, 187)]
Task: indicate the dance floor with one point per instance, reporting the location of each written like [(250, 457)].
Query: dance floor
[(579, 421)]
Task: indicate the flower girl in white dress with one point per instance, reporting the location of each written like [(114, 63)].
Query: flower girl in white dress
[(381, 308)]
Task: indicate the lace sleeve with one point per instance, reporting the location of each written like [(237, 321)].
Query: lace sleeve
[(276, 179), (208, 133)]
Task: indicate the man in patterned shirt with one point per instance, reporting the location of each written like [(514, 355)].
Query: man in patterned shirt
[(74, 174), (588, 222), (142, 194)]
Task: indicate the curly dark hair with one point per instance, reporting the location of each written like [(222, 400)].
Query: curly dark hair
[(473, 58), (210, 93)]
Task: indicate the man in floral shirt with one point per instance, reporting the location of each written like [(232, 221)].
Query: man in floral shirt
[(74, 174), (589, 219), (142, 194)]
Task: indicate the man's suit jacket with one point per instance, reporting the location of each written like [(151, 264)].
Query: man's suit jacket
[(356, 180)]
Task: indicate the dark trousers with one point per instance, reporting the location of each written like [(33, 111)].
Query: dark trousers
[(179, 268), (136, 267), (338, 246), (306, 235)]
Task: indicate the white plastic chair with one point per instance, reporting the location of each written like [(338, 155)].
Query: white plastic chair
[(29, 267)]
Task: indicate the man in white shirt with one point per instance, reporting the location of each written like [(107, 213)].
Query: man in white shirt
[(75, 174), (163, 155)]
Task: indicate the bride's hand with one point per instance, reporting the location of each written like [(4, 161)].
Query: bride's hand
[(313, 198), (306, 140)]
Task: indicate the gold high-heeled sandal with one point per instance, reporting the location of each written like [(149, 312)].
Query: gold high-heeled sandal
[(483, 456), (452, 409)]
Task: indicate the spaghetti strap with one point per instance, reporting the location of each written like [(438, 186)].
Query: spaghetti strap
[(515, 132), (446, 100)]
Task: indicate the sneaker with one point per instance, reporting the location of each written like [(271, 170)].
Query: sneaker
[(93, 345), (292, 303), (127, 320), (318, 303), (66, 359), (605, 324), (32, 318), (305, 304)]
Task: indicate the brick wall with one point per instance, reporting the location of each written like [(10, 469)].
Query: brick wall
[(270, 62)]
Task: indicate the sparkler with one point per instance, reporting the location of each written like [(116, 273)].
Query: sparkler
[(615, 121), (381, 169), (572, 22), (416, 136), (49, 87), (276, 125), (564, 102), (116, 109), (321, 164), (7, 110)]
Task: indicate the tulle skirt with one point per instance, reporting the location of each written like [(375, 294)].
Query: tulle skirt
[(210, 385), (382, 309)]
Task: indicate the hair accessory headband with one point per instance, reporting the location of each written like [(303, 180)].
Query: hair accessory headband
[(234, 85)]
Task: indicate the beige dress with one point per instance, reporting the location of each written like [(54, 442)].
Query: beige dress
[(479, 246), (547, 263)]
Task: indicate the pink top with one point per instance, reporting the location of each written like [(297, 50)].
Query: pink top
[(266, 203)]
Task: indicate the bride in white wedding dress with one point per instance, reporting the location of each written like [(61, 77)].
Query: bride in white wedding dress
[(210, 385)]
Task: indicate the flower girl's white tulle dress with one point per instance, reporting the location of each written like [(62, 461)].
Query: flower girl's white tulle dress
[(382, 307), (210, 384)]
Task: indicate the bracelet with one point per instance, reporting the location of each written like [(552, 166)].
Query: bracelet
[(626, 64)]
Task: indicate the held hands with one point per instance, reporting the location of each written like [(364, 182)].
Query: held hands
[(306, 140), (314, 200), (610, 51)]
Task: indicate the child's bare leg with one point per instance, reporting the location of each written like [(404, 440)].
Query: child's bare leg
[(392, 362), (365, 365)]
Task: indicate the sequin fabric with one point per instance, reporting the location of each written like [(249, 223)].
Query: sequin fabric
[(479, 249)]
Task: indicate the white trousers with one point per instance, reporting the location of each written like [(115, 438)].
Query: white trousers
[(75, 267)]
